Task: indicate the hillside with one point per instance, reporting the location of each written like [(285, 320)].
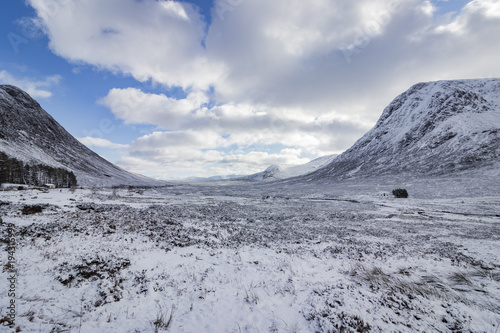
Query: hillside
[(29, 134), (436, 128)]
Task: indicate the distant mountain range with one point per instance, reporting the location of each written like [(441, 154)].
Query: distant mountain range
[(30, 135), (211, 179), (272, 173), (278, 172), (432, 129)]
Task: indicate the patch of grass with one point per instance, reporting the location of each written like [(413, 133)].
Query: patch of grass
[(163, 320), (6, 322), (374, 274), (460, 278), (251, 297), (427, 286), (350, 322), (487, 274)]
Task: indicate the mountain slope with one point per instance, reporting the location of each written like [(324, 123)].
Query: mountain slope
[(31, 135), (434, 128)]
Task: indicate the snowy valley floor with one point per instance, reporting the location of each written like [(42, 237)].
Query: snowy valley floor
[(228, 259)]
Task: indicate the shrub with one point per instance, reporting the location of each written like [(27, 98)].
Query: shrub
[(32, 209), (400, 193)]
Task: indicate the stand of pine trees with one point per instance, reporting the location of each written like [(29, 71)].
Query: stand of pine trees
[(15, 171)]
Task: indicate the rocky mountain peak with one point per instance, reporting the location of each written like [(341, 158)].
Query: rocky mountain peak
[(17, 96)]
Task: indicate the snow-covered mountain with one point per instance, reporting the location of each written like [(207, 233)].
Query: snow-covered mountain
[(29, 134), (434, 128), (277, 172), (210, 179)]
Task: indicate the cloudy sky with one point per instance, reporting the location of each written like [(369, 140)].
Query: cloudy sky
[(172, 89)]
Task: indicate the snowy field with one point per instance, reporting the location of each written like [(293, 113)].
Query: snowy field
[(250, 258)]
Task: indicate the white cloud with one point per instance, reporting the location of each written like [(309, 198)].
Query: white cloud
[(159, 40), (282, 53), (35, 87), (306, 75), (190, 153), (134, 106), (261, 160), (102, 143), (141, 166), (201, 136), (477, 13)]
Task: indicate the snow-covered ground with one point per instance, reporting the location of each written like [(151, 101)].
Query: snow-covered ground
[(252, 259)]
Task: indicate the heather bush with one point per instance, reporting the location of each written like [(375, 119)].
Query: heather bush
[(400, 193)]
